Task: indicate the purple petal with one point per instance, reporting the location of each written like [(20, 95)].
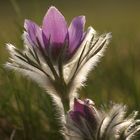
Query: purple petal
[(78, 106), (84, 108), (39, 35), (76, 29), (31, 30), (54, 26), (79, 110), (34, 33)]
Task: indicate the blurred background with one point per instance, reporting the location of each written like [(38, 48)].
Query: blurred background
[(26, 112)]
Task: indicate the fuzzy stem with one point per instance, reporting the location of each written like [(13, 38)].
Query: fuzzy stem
[(65, 102), (62, 90)]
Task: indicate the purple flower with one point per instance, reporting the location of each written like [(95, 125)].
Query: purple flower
[(83, 109), (55, 36), (59, 57), (84, 113), (85, 122)]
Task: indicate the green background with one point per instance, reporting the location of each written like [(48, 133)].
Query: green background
[(26, 107)]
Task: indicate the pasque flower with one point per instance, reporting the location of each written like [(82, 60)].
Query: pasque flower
[(59, 58), (54, 37), (56, 56), (86, 122)]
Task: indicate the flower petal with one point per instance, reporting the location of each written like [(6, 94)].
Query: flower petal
[(76, 32), (31, 30), (85, 108), (34, 33), (78, 106), (54, 26)]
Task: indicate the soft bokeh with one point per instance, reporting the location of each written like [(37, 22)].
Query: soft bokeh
[(116, 78)]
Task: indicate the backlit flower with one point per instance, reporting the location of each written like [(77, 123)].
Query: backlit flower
[(85, 122), (56, 56), (54, 37)]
